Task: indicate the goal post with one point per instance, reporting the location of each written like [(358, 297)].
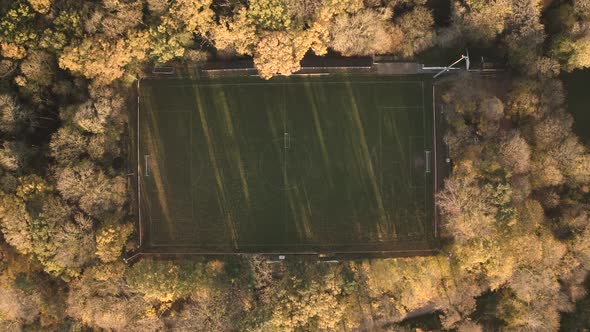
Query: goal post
[(446, 69)]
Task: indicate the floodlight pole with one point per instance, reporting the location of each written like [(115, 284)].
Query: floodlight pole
[(446, 69)]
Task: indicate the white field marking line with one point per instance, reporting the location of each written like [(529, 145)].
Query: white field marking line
[(293, 83), (412, 150), (227, 69), (293, 253), (406, 240), (381, 176), (191, 184), (145, 158), (294, 74), (287, 83), (287, 191), (422, 108), (424, 148), (314, 74), (412, 186), (434, 211), (402, 107), (336, 67), (138, 175)]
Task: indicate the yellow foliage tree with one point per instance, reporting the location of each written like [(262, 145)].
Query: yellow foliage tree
[(366, 32), (313, 306), (276, 53), (235, 33), (193, 16), (103, 60), (11, 50), (483, 20), (167, 281), (336, 7), (488, 258), (408, 283), (546, 170), (41, 6), (271, 15), (574, 52), (417, 29), (110, 240)]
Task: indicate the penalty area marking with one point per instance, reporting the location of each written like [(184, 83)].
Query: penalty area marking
[(145, 158)]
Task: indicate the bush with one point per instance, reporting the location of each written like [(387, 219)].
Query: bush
[(366, 32)]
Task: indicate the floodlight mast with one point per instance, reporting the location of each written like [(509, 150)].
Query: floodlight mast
[(446, 69)]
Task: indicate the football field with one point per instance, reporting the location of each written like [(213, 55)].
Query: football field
[(301, 164)]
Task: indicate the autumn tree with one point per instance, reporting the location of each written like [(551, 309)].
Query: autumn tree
[(67, 27), (571, 42), (17, 32), (311, 301), (15, 156), (535, 296), (68, 145), (363, 33), (37, 76), (103, 60), (110, 239), (101, 298), (552, 130), (12, 114), (574, 160), (17, 306), (91, 129), (192, 16), (417, 31), (41, 6), (525, 39), (38, 223), (515, 153), (573, 53), (270, 15), (481, 20), (208, 314), (175, 29), (157, 7), (276, 53), (167, 281), (408, 284), (103, 109), (467, 209), (95, 192), (235, 34), (114, 18), (304, 11)]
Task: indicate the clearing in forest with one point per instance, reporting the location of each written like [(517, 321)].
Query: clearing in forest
[(302, 164)]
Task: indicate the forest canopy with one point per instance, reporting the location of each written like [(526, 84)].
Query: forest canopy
[(516, 218)]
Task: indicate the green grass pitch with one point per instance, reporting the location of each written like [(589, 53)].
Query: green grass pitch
[(305, 164)]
